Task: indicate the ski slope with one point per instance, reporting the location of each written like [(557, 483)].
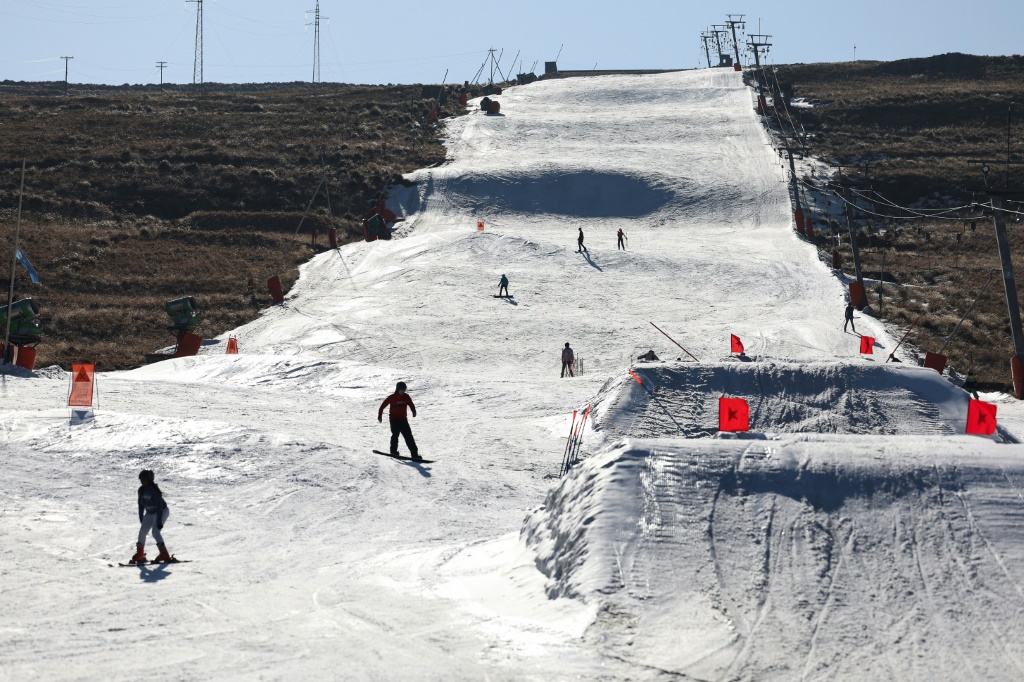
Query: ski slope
[(861, 533)]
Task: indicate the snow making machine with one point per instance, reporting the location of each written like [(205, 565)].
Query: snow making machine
[(25, 332), (185, 317)]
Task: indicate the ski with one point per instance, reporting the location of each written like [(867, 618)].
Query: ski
[(404, 459)]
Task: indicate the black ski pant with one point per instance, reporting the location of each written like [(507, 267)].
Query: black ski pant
[(580, 248), (401, 426), (849, 321), (503, 288), (621, 245)]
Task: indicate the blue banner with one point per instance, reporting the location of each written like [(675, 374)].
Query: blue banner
[(23, 259)]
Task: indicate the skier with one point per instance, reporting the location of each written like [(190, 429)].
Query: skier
[(622, 236), (503, 284), (567, 359), (397, 403), (579, 242), (153, 513), (849, 318)]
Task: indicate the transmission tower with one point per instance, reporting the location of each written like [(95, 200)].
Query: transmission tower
[(316, 39), (197, 68)]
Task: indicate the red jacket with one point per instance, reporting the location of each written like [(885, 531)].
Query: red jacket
[(398, 403)]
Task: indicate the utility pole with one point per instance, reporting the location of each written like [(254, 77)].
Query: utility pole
[(197, 67), (732, 23), (757, 42), (161, 66), (316, 40), (66, 59)]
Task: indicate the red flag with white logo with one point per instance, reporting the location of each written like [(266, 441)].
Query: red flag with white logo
[(981, 418), (733, 414)]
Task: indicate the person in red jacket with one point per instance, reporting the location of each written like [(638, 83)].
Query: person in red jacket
[(398, 402)]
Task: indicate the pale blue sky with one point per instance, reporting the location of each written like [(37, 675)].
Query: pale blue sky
[(116, 41)]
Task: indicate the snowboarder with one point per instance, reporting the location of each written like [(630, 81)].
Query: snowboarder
[(397, 403), (567, 359), (971, 384), (849, 318), (153, 513), (503, 284), (622, 236), (579, 243)]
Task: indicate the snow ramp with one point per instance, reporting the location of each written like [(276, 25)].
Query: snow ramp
[(680, 400), (799, 558)]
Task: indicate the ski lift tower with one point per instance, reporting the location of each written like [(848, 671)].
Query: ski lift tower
[(732, 21)]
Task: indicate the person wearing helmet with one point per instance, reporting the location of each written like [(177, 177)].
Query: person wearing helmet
[(397, 403), (153, 513), (567, 359)]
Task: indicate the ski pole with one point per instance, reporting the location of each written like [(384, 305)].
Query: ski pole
[(572, 448), (565, 454), (574, 458)]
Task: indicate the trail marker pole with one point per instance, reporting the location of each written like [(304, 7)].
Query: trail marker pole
[(893, 353), (674, 341)]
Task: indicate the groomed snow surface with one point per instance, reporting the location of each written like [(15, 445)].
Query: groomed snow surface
[(858, 534)]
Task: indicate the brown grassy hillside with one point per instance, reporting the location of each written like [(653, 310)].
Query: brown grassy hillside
[(137, 195), (907, 129)]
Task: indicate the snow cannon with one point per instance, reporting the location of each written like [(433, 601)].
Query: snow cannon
[(23, 319), (184, 313)]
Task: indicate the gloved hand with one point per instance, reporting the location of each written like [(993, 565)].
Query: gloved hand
[(159, 526), (380, 419)]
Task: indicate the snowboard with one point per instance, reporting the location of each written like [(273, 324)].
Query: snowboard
[(404, 459), (509, 296), (156, 563)]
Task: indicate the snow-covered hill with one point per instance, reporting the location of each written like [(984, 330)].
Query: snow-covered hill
[(314, 558)]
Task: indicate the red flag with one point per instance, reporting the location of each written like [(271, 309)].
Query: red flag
[(232, 346), (733, 414), (981, 418), (737, 345), (867, 345), (633, 374), (83, 376)]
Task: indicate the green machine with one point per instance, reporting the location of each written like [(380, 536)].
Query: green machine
[(23, 316)]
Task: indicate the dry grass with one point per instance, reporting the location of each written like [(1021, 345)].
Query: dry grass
[(135, 196)]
